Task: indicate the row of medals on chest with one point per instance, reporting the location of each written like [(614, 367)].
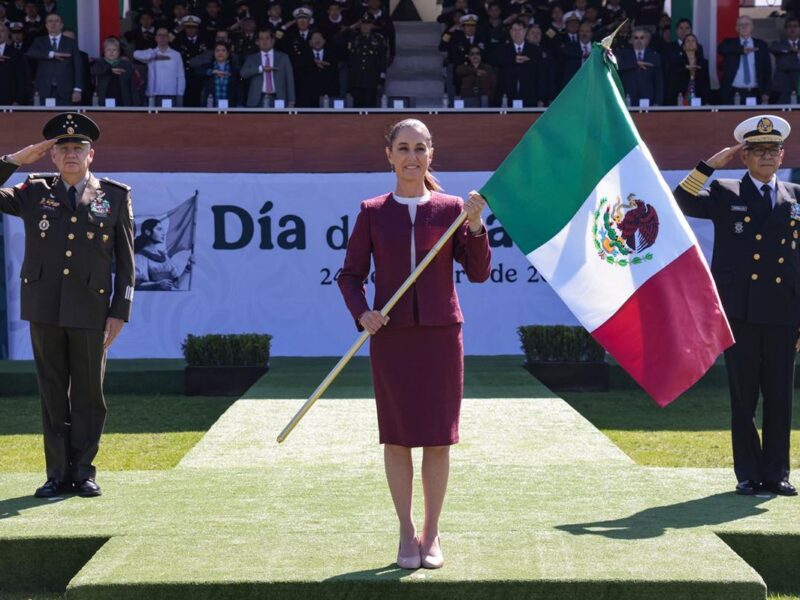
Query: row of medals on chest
[(44, 225)]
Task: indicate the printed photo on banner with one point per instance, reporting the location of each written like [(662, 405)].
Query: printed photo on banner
[(164, 248)]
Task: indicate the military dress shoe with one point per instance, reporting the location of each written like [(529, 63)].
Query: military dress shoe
[(53, 488), (88, 488), (747, 488), (782, 488)]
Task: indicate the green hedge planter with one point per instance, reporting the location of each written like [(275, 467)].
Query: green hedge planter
[(224, 365), (565, 359)]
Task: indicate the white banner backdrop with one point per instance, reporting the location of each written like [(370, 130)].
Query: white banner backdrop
[(266, 253)]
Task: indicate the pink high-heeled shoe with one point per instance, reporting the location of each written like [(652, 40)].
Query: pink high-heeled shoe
[(433, 559), (412, 561)]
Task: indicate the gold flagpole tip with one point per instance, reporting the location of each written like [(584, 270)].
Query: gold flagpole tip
[(607, 41)]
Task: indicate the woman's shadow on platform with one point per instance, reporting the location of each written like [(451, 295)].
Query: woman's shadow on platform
[(13, 507), (390, 572), (654, 522)]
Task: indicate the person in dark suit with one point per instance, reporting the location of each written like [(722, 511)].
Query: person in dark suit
[(640, 70), (143, 37), (675, 61), (787, 62), (34, 26), (76, 229), (213, 20), (113, 75), (689, 76), (756, 266), (746, 66), (535, 37), (573, 51), (13, 74), (269, 73), (521, 69), (17, 34), (59, 68), (321, 77), (416, 352)]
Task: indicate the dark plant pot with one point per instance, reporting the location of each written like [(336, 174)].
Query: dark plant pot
[(221, 381), (570, 376)]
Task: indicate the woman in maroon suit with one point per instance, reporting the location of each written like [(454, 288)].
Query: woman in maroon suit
[(417, 357)]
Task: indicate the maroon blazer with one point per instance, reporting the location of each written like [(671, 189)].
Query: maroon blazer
[(383, 231)]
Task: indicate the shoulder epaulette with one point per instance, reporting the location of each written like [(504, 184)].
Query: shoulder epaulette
[(125, 187)]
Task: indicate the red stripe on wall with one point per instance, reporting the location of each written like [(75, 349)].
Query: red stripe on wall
[(109, 20), (727, 13), (670, 332)]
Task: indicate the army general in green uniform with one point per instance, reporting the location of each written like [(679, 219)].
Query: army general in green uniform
[(76, 228)]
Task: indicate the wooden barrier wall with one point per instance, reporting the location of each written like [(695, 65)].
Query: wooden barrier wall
[(351, 142)]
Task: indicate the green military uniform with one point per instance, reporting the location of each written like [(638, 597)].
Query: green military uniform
[(68, 292), (367, 63)]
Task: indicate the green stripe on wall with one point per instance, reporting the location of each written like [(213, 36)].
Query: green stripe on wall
[(546, 178), (68, 9), (681, 9)]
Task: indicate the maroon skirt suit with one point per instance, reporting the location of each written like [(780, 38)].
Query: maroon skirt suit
[(418, 358)]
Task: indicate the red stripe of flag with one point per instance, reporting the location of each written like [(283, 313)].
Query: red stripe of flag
[(109, 20), (675, 319)]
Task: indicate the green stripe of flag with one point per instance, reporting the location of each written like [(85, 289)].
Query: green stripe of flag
[(538, 188)]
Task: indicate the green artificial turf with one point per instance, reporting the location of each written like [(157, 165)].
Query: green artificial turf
[(541, 504), (142, 431), (693, 431)]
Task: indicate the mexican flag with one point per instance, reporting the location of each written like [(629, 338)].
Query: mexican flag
[(96, 21), (581, 196)]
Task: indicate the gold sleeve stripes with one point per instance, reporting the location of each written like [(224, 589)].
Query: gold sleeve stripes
[(693, 183)]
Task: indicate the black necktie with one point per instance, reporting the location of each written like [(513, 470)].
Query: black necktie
[(72, 193), (767, 192)]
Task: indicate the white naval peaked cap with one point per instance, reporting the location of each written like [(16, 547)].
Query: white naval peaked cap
[(763, 129)]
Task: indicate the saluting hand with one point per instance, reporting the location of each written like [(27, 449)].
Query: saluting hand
[(372, 321), (723, 157), (474, 207), (30, 154), (113, 327)]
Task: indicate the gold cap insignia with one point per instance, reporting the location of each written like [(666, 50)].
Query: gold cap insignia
[(70, 130), (765, 125)]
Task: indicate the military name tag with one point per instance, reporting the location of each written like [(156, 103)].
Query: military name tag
[(44, 224), (738, 227), (739, 208), (48, 204)]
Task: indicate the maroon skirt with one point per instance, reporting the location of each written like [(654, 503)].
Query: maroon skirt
[(418, 374)]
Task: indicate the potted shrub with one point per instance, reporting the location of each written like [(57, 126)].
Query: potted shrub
[(224, 365), (565, 359)]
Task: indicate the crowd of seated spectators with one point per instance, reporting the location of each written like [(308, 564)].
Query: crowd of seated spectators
[(316, 53)]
